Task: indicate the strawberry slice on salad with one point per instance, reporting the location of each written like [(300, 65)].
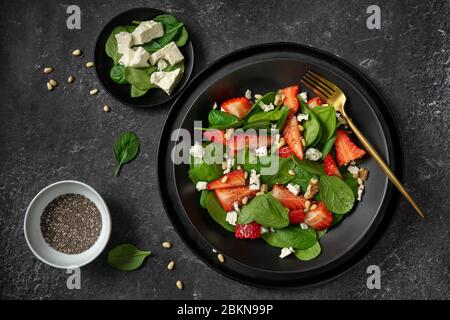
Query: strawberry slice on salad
[(319, 218), (233, 179), (296, 216), (215, 135), (288, 199), (293, 137), (238, 107), (290, 98), (227, 196), (330, 166), (314, 102), (239, 141), (346, 149), (248, 231), (284, 152)]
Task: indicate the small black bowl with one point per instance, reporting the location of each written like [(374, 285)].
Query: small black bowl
[(103, 63)]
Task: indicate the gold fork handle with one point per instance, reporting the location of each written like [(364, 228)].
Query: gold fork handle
[(384, 166)]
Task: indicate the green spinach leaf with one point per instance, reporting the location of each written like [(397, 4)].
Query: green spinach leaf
[(312, 167), (337, 218), (264, 124), (328, 146), (222, 120), (204, 198), (351, 182), (136, 93), (172, 28), (126, 257), (273, 115), (310, 253), (292, 236), (111, 44), (312, 132), (138, 78), (336, 194), (266, 99), (202, 171), (282, 176), (327, 118), (182, 38), (216, 212), (117, 74), (265, 210), (126, 149), (302, 178)]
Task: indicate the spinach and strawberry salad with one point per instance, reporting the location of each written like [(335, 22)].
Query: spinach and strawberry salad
[(146, 54), (317, 181)]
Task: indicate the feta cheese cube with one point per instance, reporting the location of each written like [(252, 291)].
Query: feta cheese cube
[(162, 64), (231, 217), (264, 230), (302, 117), (201, 185), (360, 192), (266, 107), (313, 154), (135, 59), (304, 96), (124, 41), (248, 94), (354, 170), (261, 151), (236, 206), (146, 31), (286, 252), (304, 226), (255, 182), (170, 53), (196, 150), (293, 188), (166, 80)]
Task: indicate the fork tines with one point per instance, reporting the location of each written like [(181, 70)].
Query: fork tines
[(319, 85)]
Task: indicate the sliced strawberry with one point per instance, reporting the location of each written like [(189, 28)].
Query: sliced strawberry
[(238, 107), (290, 98), (234, 179), (215, 135), (314, 102), (248, 231), (239, 141), (284, 152), (293, 137), (319, 218), (228, 196), (296, 216), (287, 199), (330, 166), (346, 150)]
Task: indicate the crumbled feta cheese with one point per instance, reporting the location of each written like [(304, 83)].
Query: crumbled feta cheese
[(215, 106), (360, 192), (170, 53), (285, 252), (255, 182), (304, 96), (231, 217), (276, 141), (201, 185), (229, 163), (261, 151), (313, 154), (266, 107), (162, 64), (272, 229), (354, 170), (248, 94), (304, 226), (293, 188), (146, 31), (302, 117), (222, 109), (124, 41), (236, 206), (135, 59), (264, 230), (166, 80), (196, 150), (273, 127), (338, 114)]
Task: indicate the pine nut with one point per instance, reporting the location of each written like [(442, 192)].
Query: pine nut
[(48, 70), (166, 245), (106, 108), (360, 182), (89, 64), (221, 258), (300, 127), (245, 175), (258, 96), (224, 179), (179, 284), (303, 142), (245, 200), (76, 52), (291, 172), (281, 143), (53, 82), (259, 193), (171, 265), (93, 92), (313, 207), (49, 86), (70, 79), (314, 181), (214, 250), (307, 205), (263, 188), (224, 165)]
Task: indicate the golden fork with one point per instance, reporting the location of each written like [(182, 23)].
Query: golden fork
[(335, 97)]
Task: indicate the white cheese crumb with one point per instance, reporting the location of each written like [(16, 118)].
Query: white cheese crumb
[(255, 182), (162, 64), (304, 226), (273, 127), (230, 162), (196, 150), (266, 107), (272, 229), (222, 109), (215, 106), (304, 96), (201, 185), (264, 230), (354, 170), (285, 252), (214, 250), (360, 192), (248, 94), (313, 154), (231, 217), (302, 117), (293, 188), (261, 151), (236, 206)]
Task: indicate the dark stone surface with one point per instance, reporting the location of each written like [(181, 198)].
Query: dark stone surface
[(64, 134)]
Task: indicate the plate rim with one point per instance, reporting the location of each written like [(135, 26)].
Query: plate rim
[(360, 250)]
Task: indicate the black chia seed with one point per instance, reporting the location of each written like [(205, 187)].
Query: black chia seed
[(71, 223)]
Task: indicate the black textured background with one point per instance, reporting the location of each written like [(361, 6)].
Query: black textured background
[(64, 134)]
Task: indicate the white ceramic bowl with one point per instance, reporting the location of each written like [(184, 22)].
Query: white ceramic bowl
[(32, 225)]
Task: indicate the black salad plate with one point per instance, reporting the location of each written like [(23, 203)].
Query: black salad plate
[(103, 63), (264, 68)]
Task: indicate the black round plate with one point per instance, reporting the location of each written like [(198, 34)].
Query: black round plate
[(264, 68), (103, 63)]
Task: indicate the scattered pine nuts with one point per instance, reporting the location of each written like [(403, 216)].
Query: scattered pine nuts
[(53, 82), (221, 258), (245, 200), (106, 108), (70, 79), (89, 64), (93, 92), (166, 245), (171, 265), (179, 284), (224, 179), (291, 172), (49, 86), (76, 52), (313, 207), (48, 70)]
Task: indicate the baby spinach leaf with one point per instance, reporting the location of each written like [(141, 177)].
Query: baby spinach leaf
[(336, 194), (310, 253), (111, 44), (130, 28), (302, 178), (351, 182), (264, 124), (137, 78), (182, 38), (251, 162), (282, 176), (337, 218), (327, 118), (328, 145), (292, 236), (204, 172), (126, 149), (266, 99), (126, 257), (282, 121), (117, 74), (312, 132), (166, 19), (204, 197), (216, 212), (172, 28), (265, 210), (222, 120), (312, 167), (135, 92), (321, 233), (273, 115)]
